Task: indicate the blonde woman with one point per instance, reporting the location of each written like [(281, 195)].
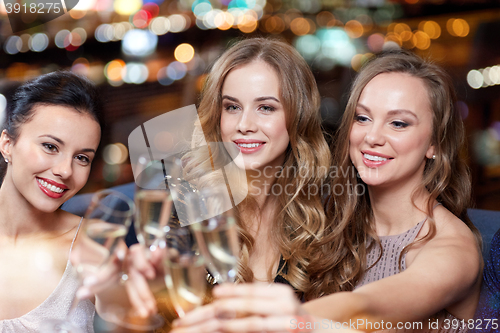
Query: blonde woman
[(261, 98)]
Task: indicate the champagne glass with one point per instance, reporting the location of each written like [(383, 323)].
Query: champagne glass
[(154, 203), (214, 225), (185, 272), (96, 253), (155, 188)]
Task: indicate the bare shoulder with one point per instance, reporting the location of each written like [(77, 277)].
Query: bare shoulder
[(450, 228), (454, 241), (68, 224)]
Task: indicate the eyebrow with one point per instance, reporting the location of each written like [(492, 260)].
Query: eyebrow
[(392, 112), (61, 142), (258, 99)]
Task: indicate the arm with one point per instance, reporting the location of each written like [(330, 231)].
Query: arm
[(443, 273)]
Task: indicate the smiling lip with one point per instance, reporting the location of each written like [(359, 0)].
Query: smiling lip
[(50, 192), (249, 146), (375, 160)]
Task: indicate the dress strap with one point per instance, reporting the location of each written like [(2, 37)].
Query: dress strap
[(76, 234)]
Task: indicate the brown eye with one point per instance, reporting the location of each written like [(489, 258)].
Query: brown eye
[(82, 159), (50, 147)]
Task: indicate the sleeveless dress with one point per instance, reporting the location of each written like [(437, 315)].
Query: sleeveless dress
[(388, 265), (56, 306)]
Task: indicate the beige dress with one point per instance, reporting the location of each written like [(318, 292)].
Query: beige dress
[(388, 265)]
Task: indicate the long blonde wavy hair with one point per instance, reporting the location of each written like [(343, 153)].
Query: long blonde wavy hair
[(446, 178), (300, 219)]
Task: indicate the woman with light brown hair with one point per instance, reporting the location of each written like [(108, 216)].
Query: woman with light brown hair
[(401, 251), (260, 99)]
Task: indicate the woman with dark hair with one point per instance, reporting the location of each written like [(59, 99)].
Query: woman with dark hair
[(49, 140), (401, 250)]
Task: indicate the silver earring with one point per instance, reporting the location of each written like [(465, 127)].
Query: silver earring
[(6, 161), (433, 157)]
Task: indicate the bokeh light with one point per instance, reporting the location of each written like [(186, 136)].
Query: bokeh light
[(457, 27), (184, 52), (115, 153), (300, 26), (475, 79), (375, 42), (38, 42), (113, 70), (127, 7), (13, 45), (176, 70), (178, 22), (431, 28), (135, 73), (423, 42), (160, 25), (139, 42), (308, 46)]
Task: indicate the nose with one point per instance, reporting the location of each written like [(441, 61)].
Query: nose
[(63, 168), (375, 135), (247, 122)]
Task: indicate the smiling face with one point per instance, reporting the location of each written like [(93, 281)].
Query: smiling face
[(253, 116), (50, 160), (390, 138)]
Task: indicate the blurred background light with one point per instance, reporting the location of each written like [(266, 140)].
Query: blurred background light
[(38, 42), (113, 70), (160, 25), (475, 79), (178, 22), (135, 73), (127, 7), (139, 42), (163, 77), (13, 45), (176, 70), (61, 39), (184, 52), (308, 46)]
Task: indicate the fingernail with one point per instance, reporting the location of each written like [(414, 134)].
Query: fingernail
[(83, 293), (89, 281)]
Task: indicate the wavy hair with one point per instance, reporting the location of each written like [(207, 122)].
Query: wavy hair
[(446, 178), (300, 218)]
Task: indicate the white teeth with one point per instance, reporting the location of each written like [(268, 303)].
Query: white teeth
[(249, 145), (374, 158), (50, 187)]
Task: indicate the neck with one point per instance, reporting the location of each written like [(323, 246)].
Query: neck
[(397, 209), (260, 185)]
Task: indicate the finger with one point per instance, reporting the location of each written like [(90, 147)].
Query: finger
[(275, 324), (196, 316), (139, 294), (209, 326), (242, 306), (104, 278), (256, 290), (139, 261)]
